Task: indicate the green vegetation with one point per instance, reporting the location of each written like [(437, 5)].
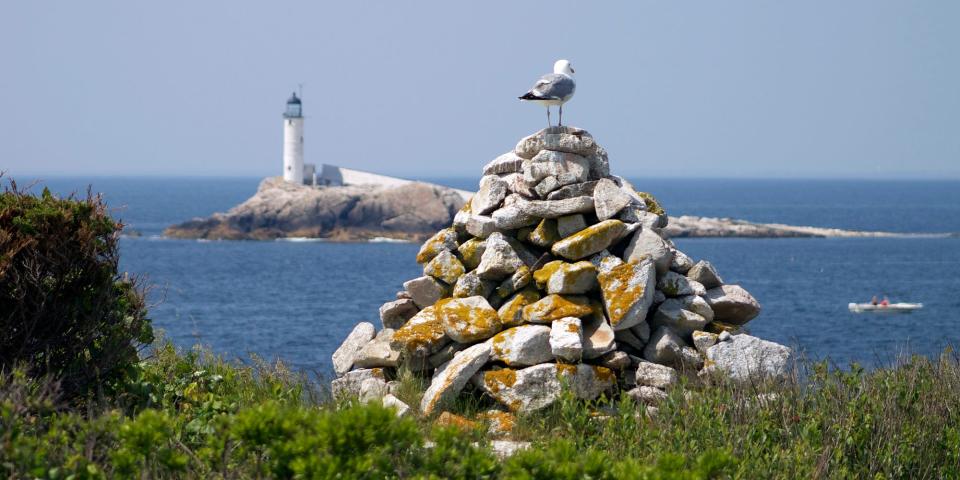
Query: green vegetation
[(67, 412), (64, 310)]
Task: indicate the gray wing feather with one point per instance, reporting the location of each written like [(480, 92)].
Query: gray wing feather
[(554, 86)]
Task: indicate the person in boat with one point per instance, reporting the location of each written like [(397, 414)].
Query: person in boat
[(885, 302), (874, 301)]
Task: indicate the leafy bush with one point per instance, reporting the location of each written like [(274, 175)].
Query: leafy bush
[(64, 310)]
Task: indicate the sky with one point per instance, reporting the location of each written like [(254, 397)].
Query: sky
[(732, 89)]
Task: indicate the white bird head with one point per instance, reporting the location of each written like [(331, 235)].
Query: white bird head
[(563, 66)]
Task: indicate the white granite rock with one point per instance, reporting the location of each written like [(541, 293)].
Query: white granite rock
[(425, 290), (349, 384), (732, 304), (609, 199), (344, 356), (480, 226), (392, 402), (499, 260), (533, 388), (522, 346), (573, 278), (743, 357), (378, 352), (491, 193), (574, 190), (511, 217), (445, 239), (705, 273), (449, 379), (647, 395), (656, 375), (566, 339), (627, 337), (507, 163), (615, 360), (507, 448), (671, 314), (394, 314), (549, 163), (546, 186), (681, 263), (373, 389), (664, 347), (553, 208), (471, 285), (569, 224), (648, 244), (598, 337)]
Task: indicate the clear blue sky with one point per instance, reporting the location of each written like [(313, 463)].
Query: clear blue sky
[(727, 89)]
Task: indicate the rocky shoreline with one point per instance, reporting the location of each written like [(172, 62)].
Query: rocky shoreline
[(413, 212)]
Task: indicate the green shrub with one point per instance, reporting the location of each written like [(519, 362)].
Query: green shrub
[(64, 310)]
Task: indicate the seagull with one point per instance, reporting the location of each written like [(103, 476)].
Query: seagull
[(553, 89)]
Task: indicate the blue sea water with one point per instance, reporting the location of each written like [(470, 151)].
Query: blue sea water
[(297, 300)]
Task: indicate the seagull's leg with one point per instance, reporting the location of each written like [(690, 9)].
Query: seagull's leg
[(561, 116), (548, 116)]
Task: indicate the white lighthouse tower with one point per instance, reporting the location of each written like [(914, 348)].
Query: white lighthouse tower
[(293, 141)]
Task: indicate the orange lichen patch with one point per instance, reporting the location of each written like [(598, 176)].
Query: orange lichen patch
[(500, 422), (545, 234), (554, 307), (620, 290), (511, 312), (542, 275), (604, 374), (421, 334), (447, 419), (470, 253), (500, 342), (573, 327), (496, 380), (445, 239), (467, 320), (590, 240)]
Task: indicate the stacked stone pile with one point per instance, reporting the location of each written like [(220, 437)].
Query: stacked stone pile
[(556, 274)]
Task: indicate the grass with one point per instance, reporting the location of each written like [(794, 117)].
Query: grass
[(193, 415)]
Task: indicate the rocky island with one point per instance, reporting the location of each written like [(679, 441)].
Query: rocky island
[(408, 210)]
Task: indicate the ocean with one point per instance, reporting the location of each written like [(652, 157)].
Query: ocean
[(296, 301)]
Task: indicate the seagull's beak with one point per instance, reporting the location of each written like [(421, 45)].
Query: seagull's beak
[(572, 70)]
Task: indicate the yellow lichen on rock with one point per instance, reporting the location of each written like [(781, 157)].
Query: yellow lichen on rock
[(542, 275), (421, 335), (445, 239), (590, 240), (623, 287), (468, 320), (554, 307), (496, 380), (511, 312), (444, 267), (470, 253), (447, 419), (545, 234)]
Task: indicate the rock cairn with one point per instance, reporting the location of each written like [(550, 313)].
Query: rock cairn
[(556, 274)]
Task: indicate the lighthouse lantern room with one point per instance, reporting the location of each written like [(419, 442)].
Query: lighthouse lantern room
[(293, 141)]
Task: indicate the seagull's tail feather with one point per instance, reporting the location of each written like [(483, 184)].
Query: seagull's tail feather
[(530, 96)]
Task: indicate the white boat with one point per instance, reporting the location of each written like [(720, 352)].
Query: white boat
[(889, 308)]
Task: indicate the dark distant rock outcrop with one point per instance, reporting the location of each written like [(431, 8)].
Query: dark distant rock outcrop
[(356, 212)]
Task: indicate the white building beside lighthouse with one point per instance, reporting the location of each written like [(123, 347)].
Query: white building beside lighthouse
[(293, 141)]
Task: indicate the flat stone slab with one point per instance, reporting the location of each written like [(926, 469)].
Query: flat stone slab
[(450, 378), (344, 356), (539, 386), (522, 346)]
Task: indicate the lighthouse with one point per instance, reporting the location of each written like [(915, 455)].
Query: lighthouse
[(293, 141)]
